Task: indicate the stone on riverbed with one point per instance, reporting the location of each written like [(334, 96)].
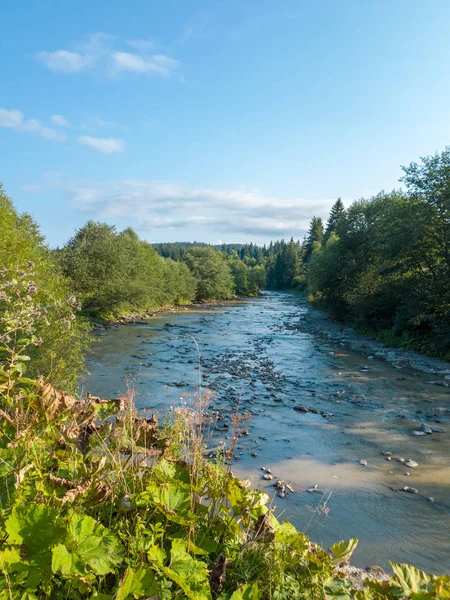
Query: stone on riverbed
[(363, 463), (410, 490), (411, 464), (301, 409), (314, 490), (419, 433), (426, 428)]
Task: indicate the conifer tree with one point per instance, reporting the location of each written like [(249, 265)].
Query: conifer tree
[(337, 213), (315, 235)]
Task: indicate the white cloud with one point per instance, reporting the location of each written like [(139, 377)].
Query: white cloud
[(64, 61), (104, 145), (100, 53), (183, 211), (14, 119), (59, 120), (158, 63)]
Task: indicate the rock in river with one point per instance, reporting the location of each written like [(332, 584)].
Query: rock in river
[(426, 428)]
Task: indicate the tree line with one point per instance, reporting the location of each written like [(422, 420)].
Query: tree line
[(382, 264), (100, 273)]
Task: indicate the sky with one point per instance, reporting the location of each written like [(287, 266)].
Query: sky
[(213, 120)]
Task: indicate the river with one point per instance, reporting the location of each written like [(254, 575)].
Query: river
[(267, 356)]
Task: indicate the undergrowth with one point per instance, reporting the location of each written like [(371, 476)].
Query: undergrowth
[(100, 502)]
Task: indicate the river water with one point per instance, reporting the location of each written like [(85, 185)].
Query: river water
[(259, 356)]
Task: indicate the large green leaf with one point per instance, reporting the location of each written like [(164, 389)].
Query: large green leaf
[(246, 592), (167, 471), (89, 547), (137, 583), (34, 526), (336, 589), (342, 551), (189, 574), (32, 531), (410, 579), (170, 499)]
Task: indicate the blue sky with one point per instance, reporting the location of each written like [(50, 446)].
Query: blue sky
[(213, 120)]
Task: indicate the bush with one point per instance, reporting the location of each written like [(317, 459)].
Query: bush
[(29, 274)]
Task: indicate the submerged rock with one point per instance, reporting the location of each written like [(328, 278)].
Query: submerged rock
[(410, 490), (426, 428), (314, 490)]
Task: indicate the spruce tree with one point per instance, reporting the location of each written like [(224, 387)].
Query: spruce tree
[(337, 213), (315, 235)]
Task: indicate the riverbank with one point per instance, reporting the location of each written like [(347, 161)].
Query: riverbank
[(319, 323), (142, 318)]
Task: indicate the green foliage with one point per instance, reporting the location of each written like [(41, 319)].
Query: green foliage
[(84, 517), (117, 273), (336, 217), (342, 551), (88, 547), (31, 283), (315, 237), (284, 265), (385, 266), (211, 272)]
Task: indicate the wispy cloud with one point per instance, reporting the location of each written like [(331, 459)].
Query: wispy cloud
[(64, 61), (104, 145), (157, 63), (14, 119), (100, 52), (59, 120), (179, 209)]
